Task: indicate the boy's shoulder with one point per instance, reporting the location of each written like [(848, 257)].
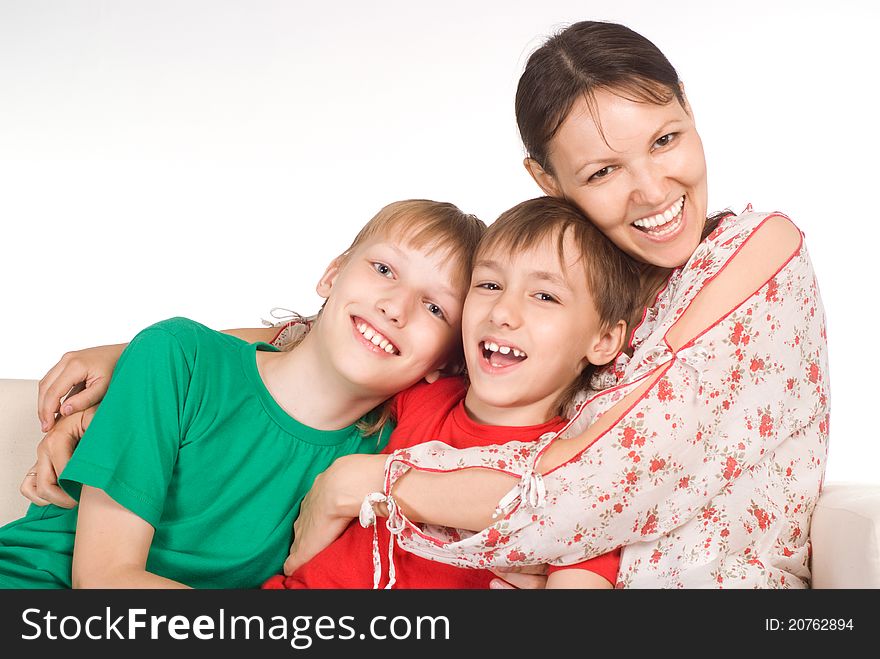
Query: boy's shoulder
[(190, 336), (452, 388)]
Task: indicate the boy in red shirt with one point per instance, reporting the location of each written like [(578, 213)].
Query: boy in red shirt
[(550, 298)]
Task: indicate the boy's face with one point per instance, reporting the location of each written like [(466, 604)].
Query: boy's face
[(392, 316), (527, 323)]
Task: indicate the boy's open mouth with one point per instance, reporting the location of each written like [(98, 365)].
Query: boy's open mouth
[(500, 355)]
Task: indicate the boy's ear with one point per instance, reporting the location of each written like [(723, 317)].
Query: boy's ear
[(329, 277), (543, 178), (607, 344)]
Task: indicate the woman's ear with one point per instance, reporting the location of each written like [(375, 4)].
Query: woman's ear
[(607, 344), (543, 178), (329, 277)]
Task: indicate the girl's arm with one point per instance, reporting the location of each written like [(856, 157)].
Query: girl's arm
[(111, 547)]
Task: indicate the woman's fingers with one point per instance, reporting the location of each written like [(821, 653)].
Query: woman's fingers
[(521, 580), (83, 397), (40, 484), (28, 487), (46, 406)]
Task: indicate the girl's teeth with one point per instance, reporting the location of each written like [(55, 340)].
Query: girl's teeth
[(504, 350)]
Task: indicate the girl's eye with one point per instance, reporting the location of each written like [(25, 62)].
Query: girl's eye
[(434, 310), (383, 269), (602, 173), (489, 286), (663, 141), (545, 297)]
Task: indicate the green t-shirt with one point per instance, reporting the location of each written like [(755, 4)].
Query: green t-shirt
[(189, 439)]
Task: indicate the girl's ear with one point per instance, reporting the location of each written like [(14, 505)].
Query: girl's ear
[(543, 178), (329, 277), (607, 344)]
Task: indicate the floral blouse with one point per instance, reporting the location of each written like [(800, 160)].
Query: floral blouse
[(708, 480)]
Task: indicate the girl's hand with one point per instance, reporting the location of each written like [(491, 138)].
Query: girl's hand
[(82, 376), (40, 485), (334, 500)]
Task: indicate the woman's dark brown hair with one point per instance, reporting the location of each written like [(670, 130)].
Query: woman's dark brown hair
[(576, 63)]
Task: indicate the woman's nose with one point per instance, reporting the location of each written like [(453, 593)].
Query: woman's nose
[(650, 186)]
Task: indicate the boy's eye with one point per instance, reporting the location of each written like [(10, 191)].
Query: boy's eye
[(383, 269), (434, 310), (664, 140), (545, 297), (489, 286)]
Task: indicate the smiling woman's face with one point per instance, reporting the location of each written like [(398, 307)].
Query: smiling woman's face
[(641, 179)]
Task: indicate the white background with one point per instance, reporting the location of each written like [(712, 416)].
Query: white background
[(207, 158)]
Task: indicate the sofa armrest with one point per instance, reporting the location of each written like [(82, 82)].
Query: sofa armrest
[(19, 434), (845, 535)]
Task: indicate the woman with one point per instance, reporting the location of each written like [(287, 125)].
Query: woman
[(706, 456)]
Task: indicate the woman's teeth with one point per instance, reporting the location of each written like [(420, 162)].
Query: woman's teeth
[(371, 335), (662, 223)]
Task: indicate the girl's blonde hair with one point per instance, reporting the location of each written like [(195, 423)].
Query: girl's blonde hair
[(424, 225)]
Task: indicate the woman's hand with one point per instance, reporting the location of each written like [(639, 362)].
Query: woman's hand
[(334, 500), (526, 577), (40, 485), (82, 376)]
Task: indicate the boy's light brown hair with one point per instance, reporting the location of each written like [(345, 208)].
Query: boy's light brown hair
[(611, 276), (424, 225)]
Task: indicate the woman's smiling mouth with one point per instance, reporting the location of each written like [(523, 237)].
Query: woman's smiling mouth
[(663, 224)]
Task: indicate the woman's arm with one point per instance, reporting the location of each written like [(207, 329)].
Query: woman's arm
[(678, 437), (112, 545), (467, 498)]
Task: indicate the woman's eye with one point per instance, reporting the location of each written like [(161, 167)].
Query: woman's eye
[(434, 310), (663, 141), (602, 173), (382, 269)]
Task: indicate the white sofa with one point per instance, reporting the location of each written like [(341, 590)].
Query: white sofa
[(845, 530)]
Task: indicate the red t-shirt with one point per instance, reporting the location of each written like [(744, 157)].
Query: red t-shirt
[(425, 412)]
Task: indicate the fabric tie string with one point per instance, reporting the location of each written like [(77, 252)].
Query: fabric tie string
[(394, 524), (530, 490)]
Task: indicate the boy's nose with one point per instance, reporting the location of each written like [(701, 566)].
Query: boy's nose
[(394, 312), (504, 313)]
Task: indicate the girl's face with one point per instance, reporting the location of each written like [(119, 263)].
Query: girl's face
[(392, 316), (641, 179)]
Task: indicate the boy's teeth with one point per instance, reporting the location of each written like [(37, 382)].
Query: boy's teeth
[(376, 338), (504, 350), (661, 218)]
